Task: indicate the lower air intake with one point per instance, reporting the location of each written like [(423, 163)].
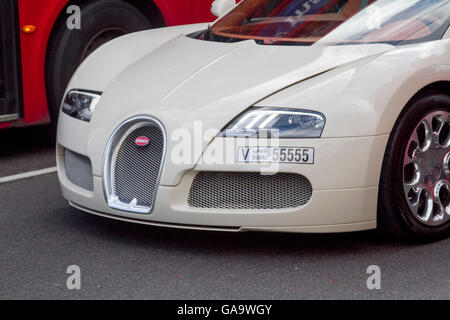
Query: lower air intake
[(79, 170), (249, 190)]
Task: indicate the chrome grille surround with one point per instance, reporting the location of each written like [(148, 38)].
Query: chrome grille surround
[(249, 191), (79, 170), (131, 173)]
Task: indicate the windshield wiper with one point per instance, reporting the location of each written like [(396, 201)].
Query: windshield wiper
[(209, 33)]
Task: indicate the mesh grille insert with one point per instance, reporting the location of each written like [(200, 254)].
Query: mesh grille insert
[(249, 190), (136, 169), (79, 170)]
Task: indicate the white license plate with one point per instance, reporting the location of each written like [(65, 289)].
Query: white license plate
[(276, 154)]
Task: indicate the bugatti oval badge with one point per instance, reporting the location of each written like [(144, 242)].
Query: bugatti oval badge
[(142, 141)]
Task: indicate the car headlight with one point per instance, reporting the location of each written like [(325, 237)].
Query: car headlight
[(80, 104), (278, 122)]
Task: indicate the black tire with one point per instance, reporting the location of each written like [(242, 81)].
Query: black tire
[(394, 215), (101, 21)]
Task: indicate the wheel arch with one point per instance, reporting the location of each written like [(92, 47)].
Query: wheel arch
[(402, 91), (395, 224), (438, 86), (442, 86)]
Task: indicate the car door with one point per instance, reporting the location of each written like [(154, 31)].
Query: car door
[(9, 61)]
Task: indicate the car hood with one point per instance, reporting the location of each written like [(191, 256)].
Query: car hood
[(188, 80)]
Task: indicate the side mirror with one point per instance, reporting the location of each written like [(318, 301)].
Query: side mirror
[(220, 7)]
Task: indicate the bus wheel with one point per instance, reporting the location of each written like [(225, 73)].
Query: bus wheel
[(101, 21)]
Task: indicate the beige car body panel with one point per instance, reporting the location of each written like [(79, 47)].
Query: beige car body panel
[(179, 80)]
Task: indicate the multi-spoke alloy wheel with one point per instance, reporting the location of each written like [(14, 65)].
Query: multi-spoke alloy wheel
[(414, 192), (426, 170)]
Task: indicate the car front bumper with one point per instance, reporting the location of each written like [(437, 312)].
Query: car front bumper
[(344, 178)]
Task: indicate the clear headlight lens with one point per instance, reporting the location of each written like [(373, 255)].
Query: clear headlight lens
[(276, 122), (80, 104)]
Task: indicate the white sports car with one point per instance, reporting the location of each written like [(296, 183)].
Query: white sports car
[(283, 115)]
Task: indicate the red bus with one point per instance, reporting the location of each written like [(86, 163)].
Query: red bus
[(39, 53)]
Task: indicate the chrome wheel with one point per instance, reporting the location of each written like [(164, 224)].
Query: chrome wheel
[(426, 169)]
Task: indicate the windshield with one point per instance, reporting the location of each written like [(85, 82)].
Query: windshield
[(316, 22)]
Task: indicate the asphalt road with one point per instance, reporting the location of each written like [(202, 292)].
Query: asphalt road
[(40, 236)]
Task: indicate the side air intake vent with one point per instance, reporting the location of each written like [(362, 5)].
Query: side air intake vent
[(79, 170)]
